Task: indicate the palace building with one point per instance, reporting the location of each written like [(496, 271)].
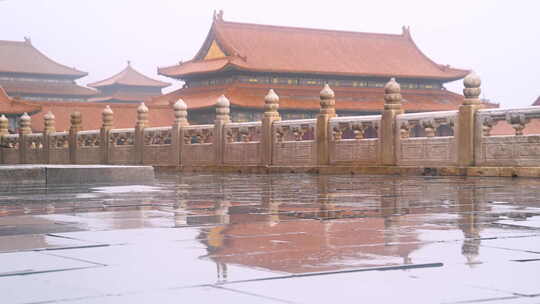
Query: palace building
[(243, 61), (128, 86), (27, 73)]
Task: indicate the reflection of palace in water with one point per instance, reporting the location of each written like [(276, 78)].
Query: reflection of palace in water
[(333, 229)]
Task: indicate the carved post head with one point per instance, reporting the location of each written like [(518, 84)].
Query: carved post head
[(180, 113), (24, 124), (472, 89), (392, 95), (223, 109), (4, 125), (107, 118), (271, 104), (517, 121), (49, 123), (328, 101), (404, 130), (76, 121), (430, 127), (142, 116)]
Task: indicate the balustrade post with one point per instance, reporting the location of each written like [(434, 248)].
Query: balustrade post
[(107, 117), (76, 126), (389, 140), (271, 114), (48, 129), (323, 132), (142, 123), (466, 120), (180, 121), (24, 129), (222, 118), (4, 130)]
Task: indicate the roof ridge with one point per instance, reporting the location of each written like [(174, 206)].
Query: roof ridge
[(319, 30)]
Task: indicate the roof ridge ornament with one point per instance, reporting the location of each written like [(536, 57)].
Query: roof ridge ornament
[(406, 31), (218, 15), (27, 40)]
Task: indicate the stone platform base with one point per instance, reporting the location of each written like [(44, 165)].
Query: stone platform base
[(75, 174), (367, 170)]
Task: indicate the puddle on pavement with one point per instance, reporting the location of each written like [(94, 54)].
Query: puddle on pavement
[(260, 226)]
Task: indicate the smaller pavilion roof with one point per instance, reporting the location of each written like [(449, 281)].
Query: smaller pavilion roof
[(23, 57), (10, 105), (129, 77)]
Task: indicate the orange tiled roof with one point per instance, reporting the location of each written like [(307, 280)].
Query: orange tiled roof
[(46, 88), (307, 98), (125, 115), (23, 57), (266, 48), (9, 105), (125, 97), (129, 77)]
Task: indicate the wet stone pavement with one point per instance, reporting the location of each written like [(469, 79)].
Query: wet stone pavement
[(273, 239)]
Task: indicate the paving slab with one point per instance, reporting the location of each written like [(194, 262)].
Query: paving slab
[(372, 287), (25, 263)]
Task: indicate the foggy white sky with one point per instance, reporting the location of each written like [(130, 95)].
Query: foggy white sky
[(500, 40)]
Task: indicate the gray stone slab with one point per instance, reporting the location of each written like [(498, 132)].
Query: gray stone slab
[(23, 174), (99, 174), (74, 174)]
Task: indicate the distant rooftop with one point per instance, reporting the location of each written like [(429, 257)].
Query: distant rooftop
[(23, 57)]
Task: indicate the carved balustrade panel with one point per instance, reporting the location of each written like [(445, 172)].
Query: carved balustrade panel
[(88, 147), (59, 148), (242, 143), (88, 139), (157, 146), (122, 137), (10, 149), (243, 132), (520, 149), (122, 146), (294, 143), (354, 139), (34, 148), (197, 146), (427, 138), (157, 136), (199, 134)]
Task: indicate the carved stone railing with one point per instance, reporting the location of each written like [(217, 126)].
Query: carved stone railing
[(507, 150), (122, 146), (294, 142), (354, 140), (157, 146), (242, 143), (88, 147), (10, 149), (197, 145), (426, 138), (59, 148)]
